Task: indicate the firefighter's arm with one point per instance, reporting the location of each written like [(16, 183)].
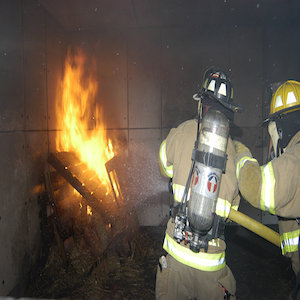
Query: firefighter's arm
[(165, 169), (228, 197), (248, 174)]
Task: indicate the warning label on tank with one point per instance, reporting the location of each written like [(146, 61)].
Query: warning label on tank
[(196, 176), (205, 182), (212, 184)]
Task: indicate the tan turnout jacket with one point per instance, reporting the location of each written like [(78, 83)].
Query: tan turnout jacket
[(175, 161), (277, 191)]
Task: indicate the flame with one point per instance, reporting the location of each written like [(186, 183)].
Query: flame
[(89, 210), (80, 116)]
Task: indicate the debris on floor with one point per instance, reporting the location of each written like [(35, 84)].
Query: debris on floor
[(113, 276)]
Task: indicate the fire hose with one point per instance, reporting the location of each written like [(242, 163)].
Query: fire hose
[(255, 226)]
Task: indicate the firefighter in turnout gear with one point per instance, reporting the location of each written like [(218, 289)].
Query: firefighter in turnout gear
[(183, 273), (274, 187)]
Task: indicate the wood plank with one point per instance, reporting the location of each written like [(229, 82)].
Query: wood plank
[(68, 165)]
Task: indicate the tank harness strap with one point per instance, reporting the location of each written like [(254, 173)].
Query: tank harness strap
[(216, 231), (209, 159)]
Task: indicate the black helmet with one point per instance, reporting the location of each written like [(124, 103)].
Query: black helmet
[(217, 84)]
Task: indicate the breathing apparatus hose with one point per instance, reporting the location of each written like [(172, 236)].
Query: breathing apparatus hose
[(255, 226)]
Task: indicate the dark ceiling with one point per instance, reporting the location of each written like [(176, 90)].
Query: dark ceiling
[(108, 14)]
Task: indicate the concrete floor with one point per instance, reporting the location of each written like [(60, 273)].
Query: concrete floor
[(260, 270)]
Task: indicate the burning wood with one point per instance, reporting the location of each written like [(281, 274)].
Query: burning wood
[(80, 116), (87, 215), (97, 220), (84, 181)]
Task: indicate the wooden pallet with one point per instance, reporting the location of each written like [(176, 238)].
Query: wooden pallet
[(84, 180), (122, 227)]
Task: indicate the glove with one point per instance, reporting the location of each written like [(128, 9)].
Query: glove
[(239, 147)]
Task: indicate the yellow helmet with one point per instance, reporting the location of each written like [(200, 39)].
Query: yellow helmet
[(286, 98), (283, 108)]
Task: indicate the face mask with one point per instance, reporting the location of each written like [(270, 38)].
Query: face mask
[(272, 128)]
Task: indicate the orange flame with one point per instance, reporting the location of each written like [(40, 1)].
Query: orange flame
[(89, 210), (80, 116)]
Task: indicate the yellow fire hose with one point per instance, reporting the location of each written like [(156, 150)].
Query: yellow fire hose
[(256, 227)]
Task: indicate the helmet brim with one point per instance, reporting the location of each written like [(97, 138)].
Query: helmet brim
[(281, 112), (231, 106)]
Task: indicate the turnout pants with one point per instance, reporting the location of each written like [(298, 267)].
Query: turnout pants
[(178, 281)]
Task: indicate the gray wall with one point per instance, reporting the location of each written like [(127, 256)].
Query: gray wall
[(146, 78), (31, 59)]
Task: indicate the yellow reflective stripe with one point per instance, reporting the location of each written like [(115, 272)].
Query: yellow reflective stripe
[(267, 202), (235, 207), (168, 170), (289, 241), (201, 261), (223, 208), (241, 163), (178, 191)]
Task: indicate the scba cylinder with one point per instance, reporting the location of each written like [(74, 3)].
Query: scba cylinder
[(210, 161)]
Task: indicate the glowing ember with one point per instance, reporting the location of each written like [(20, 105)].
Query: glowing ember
[(80, 117)]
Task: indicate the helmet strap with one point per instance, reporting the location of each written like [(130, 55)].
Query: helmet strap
[(272, 128), (200, 108)]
